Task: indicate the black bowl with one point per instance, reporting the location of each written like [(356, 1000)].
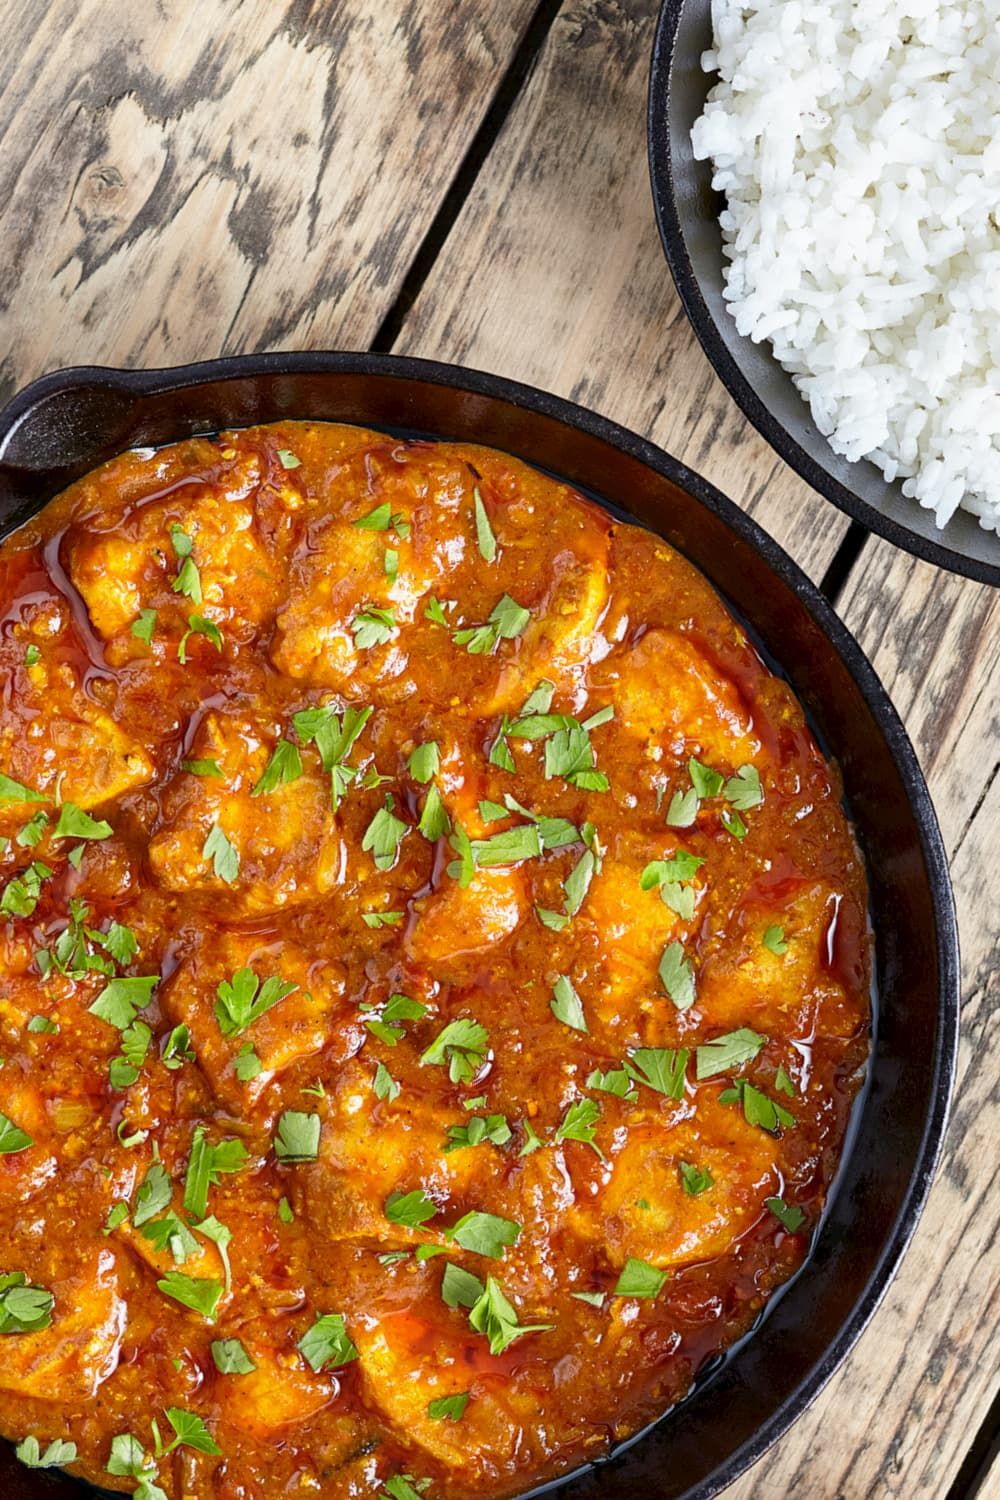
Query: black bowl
[(66, 423), (687, 214)]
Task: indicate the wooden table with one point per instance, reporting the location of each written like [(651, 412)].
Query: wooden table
[(466, 180)]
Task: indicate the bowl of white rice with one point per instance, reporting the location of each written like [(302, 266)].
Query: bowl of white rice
[(826, 175)]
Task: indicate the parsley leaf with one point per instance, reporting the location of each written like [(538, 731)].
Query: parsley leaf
[(373, 627), (683, 809), (121, 999), (579, 1122), (790, 1217), (384, 1085), (638, 1279), (284, 766), (21, 895), (384, 835), (326, 1343), (566, 1004), (74, 823), (758, 1109), (724, 1053), (694, 1179), (201, 1294), (203, 768), (512, 846), (424, 762), (144, 625), (774, 940), (451, 1408), (706, 782), (783, 1082), (205, 1164), (298, 1136), (485, 540), (154, 1194), (462, 1044), (57, 1455), (484, 1234), (243, 1000), (231, 1358), (16, 791), (659, 1069), (223, 854), (198, 625), (24, 1308), (744, 790), (410, 1209), (616, 1081), (494, 1316), (382, 918), (288, 460), (460, 1288), (479, 1128), (434, 820), (463, 868), (190, 1431), (677, 976), (506, 621)]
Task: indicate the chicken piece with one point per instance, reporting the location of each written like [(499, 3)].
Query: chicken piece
[(456, 922), (634, 925), (69, 1360), (784, 993), (644, 1211), (340, 571), (288, 850), (369, 1150), (134, 567), (278, 1394), (408, 1361), (556, 643), (313, 1015), (665, 690), (56, 735)]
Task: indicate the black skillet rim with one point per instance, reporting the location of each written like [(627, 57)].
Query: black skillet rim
[(478, 383), (672, 238)]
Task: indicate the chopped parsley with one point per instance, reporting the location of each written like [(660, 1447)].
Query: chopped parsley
[(566, 1004), (677, 976), (121, 999), (480, 1128), (450, 1408), (231, 1358), (154, 1194), (484, 1234), (334, 734), (638, 1279), (384, 1085), (774, 940), (744, 790), (22, 894), (791, 1217), (223, 854), (424, 762), (616, 1081), (16, 791), (434, 820), (188, 579), (410, 1209), (485, 540), (382, 918), (462, 1045), (74, 823), (384, 835), (285, 765), (327, 1344), (492, 1315), (201, 1294), (460, 1288), (695, 1180), (298, 1136), (288, 459), (659, 1069), (244, 999), (205, 1165), (144, 625), (579, 1122), (24, 1308), (783, 1082), (57, 1455), (758, 1109), (373, 627), (198, 625), (725, 1053), (506, 621)]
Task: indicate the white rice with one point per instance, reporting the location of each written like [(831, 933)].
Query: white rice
[(858, 145)]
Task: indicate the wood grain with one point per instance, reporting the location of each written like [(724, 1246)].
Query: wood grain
[(553, 274), (908, 1402), (179, 181)]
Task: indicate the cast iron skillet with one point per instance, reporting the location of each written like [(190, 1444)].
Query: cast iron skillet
[(66, 423), (687, 213)]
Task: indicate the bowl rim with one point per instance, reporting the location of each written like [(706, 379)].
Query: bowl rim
[(674, 243), (143, 382)]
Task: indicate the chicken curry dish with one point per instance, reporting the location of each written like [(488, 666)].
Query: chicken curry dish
[(435, 973)]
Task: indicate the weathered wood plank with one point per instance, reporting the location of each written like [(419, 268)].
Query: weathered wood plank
[(553, 274), (179, 181), (907, 1404)]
